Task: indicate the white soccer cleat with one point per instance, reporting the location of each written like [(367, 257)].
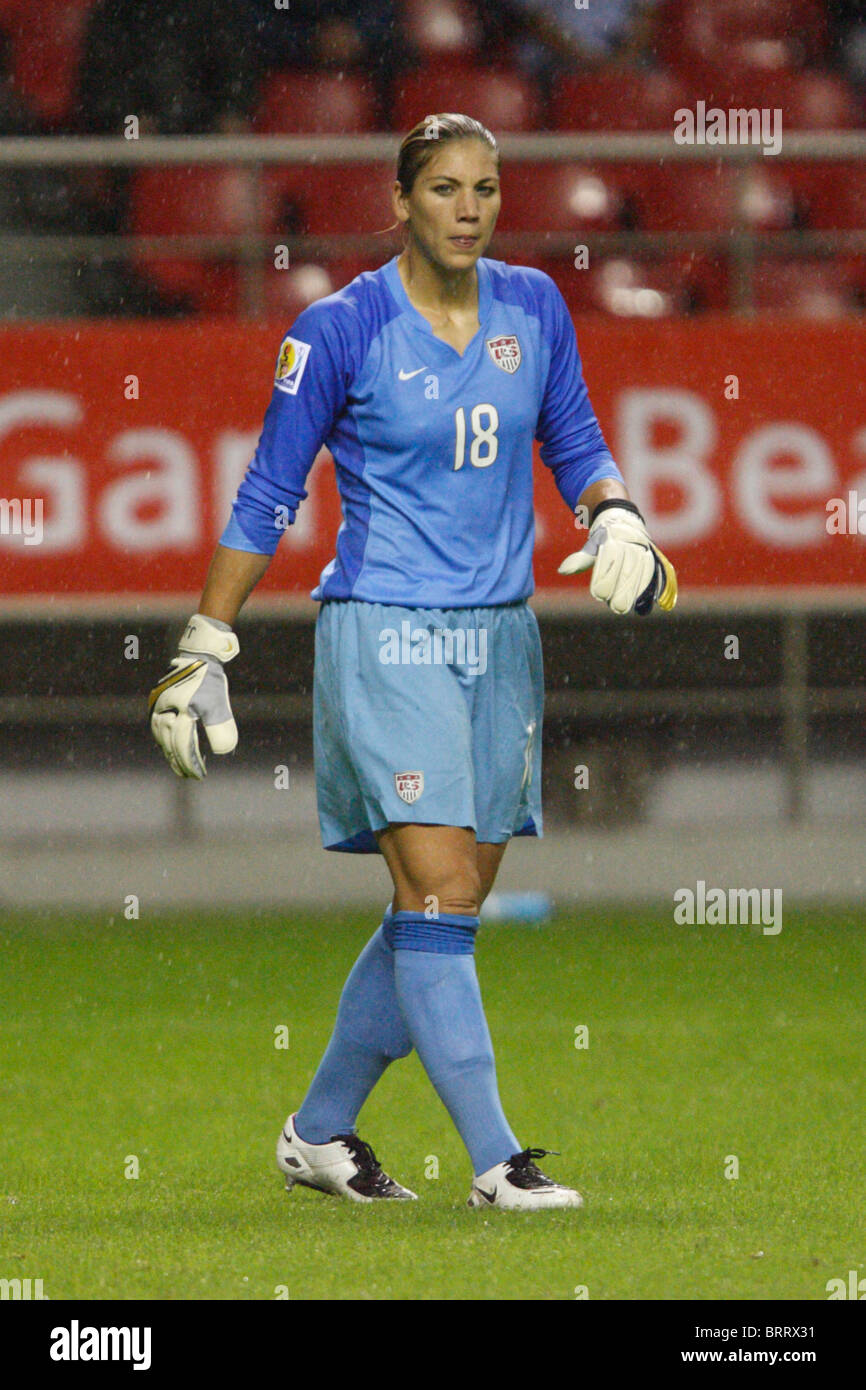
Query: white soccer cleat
[(518, 1185), (344, 1167)]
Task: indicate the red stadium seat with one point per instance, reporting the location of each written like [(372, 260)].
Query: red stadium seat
[(831, 196), (206, 200), (558, 198), (47, 41), (741, 34), (501, 99), (810, 100), (329, 199), (289, 292), (441, 29), (810, 289), (767, 198), (627, 99), (628, 288), (680, 197), (305, 103), (677, 197)]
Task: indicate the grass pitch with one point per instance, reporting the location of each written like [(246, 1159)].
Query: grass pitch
[(149, 1047)]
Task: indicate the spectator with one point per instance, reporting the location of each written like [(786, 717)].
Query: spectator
[(556, 33)]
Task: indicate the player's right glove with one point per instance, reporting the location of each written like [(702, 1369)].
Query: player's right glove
[(195, 688)]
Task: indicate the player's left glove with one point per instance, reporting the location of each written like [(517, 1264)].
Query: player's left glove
[(629, 572), (195, 688)]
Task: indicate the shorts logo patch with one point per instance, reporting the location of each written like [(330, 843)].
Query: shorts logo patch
[(290, 365), (409, 785), (505, 352)]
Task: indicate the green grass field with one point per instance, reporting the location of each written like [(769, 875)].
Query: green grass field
[(155, 1041)]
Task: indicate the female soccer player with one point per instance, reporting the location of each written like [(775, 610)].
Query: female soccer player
[(427, 380)]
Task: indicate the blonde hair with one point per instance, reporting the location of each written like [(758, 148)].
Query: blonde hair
[(423, 140)]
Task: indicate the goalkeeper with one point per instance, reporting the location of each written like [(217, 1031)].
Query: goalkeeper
[(427, 380)]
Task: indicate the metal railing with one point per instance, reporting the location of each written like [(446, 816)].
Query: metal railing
[(252, 249), (788, 698)]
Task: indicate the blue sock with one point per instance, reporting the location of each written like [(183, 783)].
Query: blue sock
[(368, 1035), (441, 1000)]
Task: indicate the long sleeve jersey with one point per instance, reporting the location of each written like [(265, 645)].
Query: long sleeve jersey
[(433, 449)]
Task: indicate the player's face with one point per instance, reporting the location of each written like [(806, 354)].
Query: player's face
[(454, 203)]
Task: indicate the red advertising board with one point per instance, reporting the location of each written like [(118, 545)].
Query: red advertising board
[(743, 442)]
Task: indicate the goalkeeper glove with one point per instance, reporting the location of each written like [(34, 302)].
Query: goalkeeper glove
[(193, 688), (629, 572)]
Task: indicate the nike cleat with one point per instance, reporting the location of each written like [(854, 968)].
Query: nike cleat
[(344, 1167), (518, 1185)]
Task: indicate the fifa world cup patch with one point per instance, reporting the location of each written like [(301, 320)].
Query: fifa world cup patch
[(290, 364), (505, 352), (409, 785)]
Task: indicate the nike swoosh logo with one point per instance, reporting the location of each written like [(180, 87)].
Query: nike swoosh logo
[(490, 1196), (407, 376)]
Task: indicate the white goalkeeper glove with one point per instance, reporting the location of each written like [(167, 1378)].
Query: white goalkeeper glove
[(628, 571), (195, 688)]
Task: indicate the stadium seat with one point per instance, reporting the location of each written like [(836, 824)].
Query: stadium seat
[(441, 29), (186, 201), (676, 197), (500, 98), (632, 99), (741, 35), (815, 289), (289, 292), (306, 103), (629, 288), (324, 199), (830, 196), (559, 198), (47, 41), (767, 198), (810, 100)]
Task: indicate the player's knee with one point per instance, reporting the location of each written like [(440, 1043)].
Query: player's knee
[(460, 893), (451, 889), (460, 904)]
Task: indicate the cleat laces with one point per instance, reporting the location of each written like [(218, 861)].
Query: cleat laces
[(369, 1167), (524, 1172)]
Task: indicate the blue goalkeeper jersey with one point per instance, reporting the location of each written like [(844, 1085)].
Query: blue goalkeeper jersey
[(432, 449)]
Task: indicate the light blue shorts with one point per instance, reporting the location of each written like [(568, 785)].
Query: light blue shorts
[(427, 714)]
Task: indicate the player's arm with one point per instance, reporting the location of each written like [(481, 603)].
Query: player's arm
[(630, 574), (232, 576), (309, 387)]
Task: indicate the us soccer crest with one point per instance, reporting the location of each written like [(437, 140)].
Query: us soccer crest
[(290, 364), (409, 785), (505, 352)]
